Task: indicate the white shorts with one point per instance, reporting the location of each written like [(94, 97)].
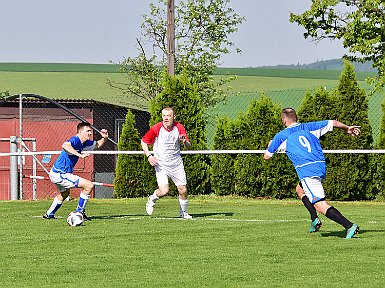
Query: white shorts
[(313, 189), (64, 181), (177, 174)]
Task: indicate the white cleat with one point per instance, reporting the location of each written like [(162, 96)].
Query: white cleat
[(185, 215), (150, 206)]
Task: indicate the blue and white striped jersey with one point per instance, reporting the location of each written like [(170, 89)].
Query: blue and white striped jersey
[(66, 162), (301, 143)]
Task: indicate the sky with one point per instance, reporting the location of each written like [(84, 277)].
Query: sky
[(99, 31)]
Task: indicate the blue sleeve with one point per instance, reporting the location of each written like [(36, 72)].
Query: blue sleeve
[(275, 144)]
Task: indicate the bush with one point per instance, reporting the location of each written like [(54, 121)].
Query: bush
[(134, 177), (249, 174)]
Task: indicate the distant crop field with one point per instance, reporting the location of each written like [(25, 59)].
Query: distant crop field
[(89, 81), (59, 67), (288, 73), (63, 85)]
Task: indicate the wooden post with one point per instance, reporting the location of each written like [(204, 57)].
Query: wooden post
[(170, 38)]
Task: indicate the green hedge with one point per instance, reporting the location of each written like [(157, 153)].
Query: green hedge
[(134, 177), (250, 174)]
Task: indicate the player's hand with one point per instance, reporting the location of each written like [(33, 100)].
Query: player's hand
[(84, 155), (104, 133), (354, 130), (182, 138), (153, 161)]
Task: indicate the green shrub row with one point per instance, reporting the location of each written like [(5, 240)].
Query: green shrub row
[(349, 176)]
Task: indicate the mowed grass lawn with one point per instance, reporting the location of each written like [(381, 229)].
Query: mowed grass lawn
[(231, 242)]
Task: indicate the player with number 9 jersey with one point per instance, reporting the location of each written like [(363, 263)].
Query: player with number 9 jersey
[(301, 143)]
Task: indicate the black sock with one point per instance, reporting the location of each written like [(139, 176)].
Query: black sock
[(335, 215), (313, 213)]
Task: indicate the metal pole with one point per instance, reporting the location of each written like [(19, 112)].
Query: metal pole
[(13, 168), (34, 167), (20, 146), (170, 38)]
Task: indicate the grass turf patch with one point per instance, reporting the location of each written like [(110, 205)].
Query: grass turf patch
[(231, 242)]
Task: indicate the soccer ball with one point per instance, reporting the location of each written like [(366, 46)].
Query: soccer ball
[(75, 219)]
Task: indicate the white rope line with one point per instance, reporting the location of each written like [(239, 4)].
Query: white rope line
[(190, 152)]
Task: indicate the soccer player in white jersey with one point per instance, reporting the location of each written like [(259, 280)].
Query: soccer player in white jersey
[(61, 171), (301, 143), (165, 137)]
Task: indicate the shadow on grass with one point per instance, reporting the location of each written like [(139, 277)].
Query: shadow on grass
[(201, 215), (106, 217), (342, 234), (196, 215)]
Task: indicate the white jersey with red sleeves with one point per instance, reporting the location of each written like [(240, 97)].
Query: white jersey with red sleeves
[(166, 143)]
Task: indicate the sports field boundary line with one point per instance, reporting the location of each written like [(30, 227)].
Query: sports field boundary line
[(193, 219)]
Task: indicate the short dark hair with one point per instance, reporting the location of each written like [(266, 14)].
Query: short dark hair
[(289, 113), (81, 125)]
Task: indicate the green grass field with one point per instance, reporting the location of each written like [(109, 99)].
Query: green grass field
[(231, 242)]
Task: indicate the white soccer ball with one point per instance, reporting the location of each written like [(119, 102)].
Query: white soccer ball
[(75, 219)]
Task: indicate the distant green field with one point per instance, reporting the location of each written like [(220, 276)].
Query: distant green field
[(230, 242), (89, 81), (59, 67), (87, 85), (289, 73)]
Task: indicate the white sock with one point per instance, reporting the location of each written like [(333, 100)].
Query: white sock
[(153, 197), (183, 205), (56, 204), (82, 202)]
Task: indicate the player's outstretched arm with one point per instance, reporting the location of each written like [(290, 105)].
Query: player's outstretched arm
[(351, 130)]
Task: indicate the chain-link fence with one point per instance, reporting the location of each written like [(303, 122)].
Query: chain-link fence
[(239, 103), (45, 124), (51, 123)]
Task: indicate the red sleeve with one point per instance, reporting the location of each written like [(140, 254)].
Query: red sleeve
[(151, 134), (182, 131)]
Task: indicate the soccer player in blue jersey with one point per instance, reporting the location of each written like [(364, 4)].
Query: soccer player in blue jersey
[(61, 171), (301, 143)]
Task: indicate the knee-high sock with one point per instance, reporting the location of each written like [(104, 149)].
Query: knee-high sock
[(83, 199), (313, 213), (183, 205), (56, 204), (335, 215)]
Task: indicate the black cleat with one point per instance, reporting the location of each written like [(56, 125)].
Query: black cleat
[(85, 217), (46, 216)]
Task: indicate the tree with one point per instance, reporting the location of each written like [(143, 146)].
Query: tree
[(359, 23), (201, 34), (180, 94)]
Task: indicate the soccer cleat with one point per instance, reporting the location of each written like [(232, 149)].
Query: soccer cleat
[(315, 225), (352, 231), (85, 217), (46, 216), (150, 206), (185, 215)]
